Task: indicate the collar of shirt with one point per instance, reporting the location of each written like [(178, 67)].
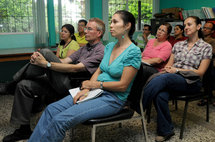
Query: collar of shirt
[(91, 46), (196, 43)]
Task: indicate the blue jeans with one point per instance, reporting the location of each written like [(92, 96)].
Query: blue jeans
[(63, 115), (158, 89)]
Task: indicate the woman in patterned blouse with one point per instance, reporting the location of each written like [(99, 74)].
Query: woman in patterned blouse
[(192, 55)]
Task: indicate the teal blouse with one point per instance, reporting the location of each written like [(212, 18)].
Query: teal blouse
[(131, 56)]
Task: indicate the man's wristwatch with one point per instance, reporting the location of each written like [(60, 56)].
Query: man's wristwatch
[(177, 71), (101, 85), (48, 65)]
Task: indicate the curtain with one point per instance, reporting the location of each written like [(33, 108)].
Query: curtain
[(51, 23), (39, 23)]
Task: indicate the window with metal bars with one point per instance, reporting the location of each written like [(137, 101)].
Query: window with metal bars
[(16, 16)]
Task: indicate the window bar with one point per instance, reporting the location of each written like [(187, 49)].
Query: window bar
[(139, 15), (14, 20), (21, 16), (28, 18)]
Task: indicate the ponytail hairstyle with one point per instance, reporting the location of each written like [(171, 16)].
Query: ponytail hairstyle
[(128, 17), (197, 21), (71, 30)]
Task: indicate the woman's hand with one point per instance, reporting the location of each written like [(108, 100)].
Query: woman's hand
[(90, 84), (170, 69), (38, 59), (80, 95)]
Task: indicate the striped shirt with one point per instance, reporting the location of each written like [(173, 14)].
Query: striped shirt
[(141, 42)]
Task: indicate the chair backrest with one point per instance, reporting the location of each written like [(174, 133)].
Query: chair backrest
[(208, 79), (136, 90)]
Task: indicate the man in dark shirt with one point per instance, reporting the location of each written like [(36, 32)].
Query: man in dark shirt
[(208, 30), (46, 75)]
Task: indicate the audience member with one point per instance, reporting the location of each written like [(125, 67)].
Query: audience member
[(178, 35), (157, 52), (208, 30), (68, 44), (143, 38), (190, 57), (59, 77), (115, 75), (80, 36)]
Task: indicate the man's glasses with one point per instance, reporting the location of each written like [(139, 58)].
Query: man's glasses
[(207, 28), (81, 25), (88, 28)]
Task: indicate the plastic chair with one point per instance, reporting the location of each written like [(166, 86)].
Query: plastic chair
[(127, 113)]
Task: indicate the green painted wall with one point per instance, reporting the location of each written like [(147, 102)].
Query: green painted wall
[(16, 41), (187, 4)]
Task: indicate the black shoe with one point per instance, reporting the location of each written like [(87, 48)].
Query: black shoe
[(7, 88), (164, 138), (3, 88), (17, 135)]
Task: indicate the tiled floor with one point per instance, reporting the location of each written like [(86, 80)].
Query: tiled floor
[(196, 129)]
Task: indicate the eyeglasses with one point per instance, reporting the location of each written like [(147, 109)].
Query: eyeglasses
[(163, 31), (88, 28), (79, 25), (207, 28)]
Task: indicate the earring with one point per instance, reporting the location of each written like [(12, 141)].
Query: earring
[(123, 36)]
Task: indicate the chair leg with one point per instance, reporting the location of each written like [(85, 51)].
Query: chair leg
[(120, 125), (148, 113), (183, 119), (207, 111), (176, 104), (72, 135), (144, 129), (93, 133)]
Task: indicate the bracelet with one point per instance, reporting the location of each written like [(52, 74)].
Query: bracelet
[(101, 85), (177, 71)]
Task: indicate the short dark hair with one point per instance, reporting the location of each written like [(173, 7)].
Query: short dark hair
[(213, 28), (146, 25), (84, 21)]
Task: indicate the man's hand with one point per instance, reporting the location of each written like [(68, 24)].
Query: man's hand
[(80, 95), (144, 36), (38, 59)]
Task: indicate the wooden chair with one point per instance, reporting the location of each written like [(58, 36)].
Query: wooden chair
[(127, 113)]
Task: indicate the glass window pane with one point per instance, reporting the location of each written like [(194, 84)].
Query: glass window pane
[(14, 16)]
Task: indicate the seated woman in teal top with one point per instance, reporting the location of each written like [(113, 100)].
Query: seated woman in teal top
[(115, 76), (113, 71)]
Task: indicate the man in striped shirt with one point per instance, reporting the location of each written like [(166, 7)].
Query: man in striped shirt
[(143, 38)]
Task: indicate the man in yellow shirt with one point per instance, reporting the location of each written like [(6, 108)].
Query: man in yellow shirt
[(80, 36)]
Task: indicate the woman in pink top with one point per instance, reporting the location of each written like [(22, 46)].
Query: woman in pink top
[(157, 52)]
